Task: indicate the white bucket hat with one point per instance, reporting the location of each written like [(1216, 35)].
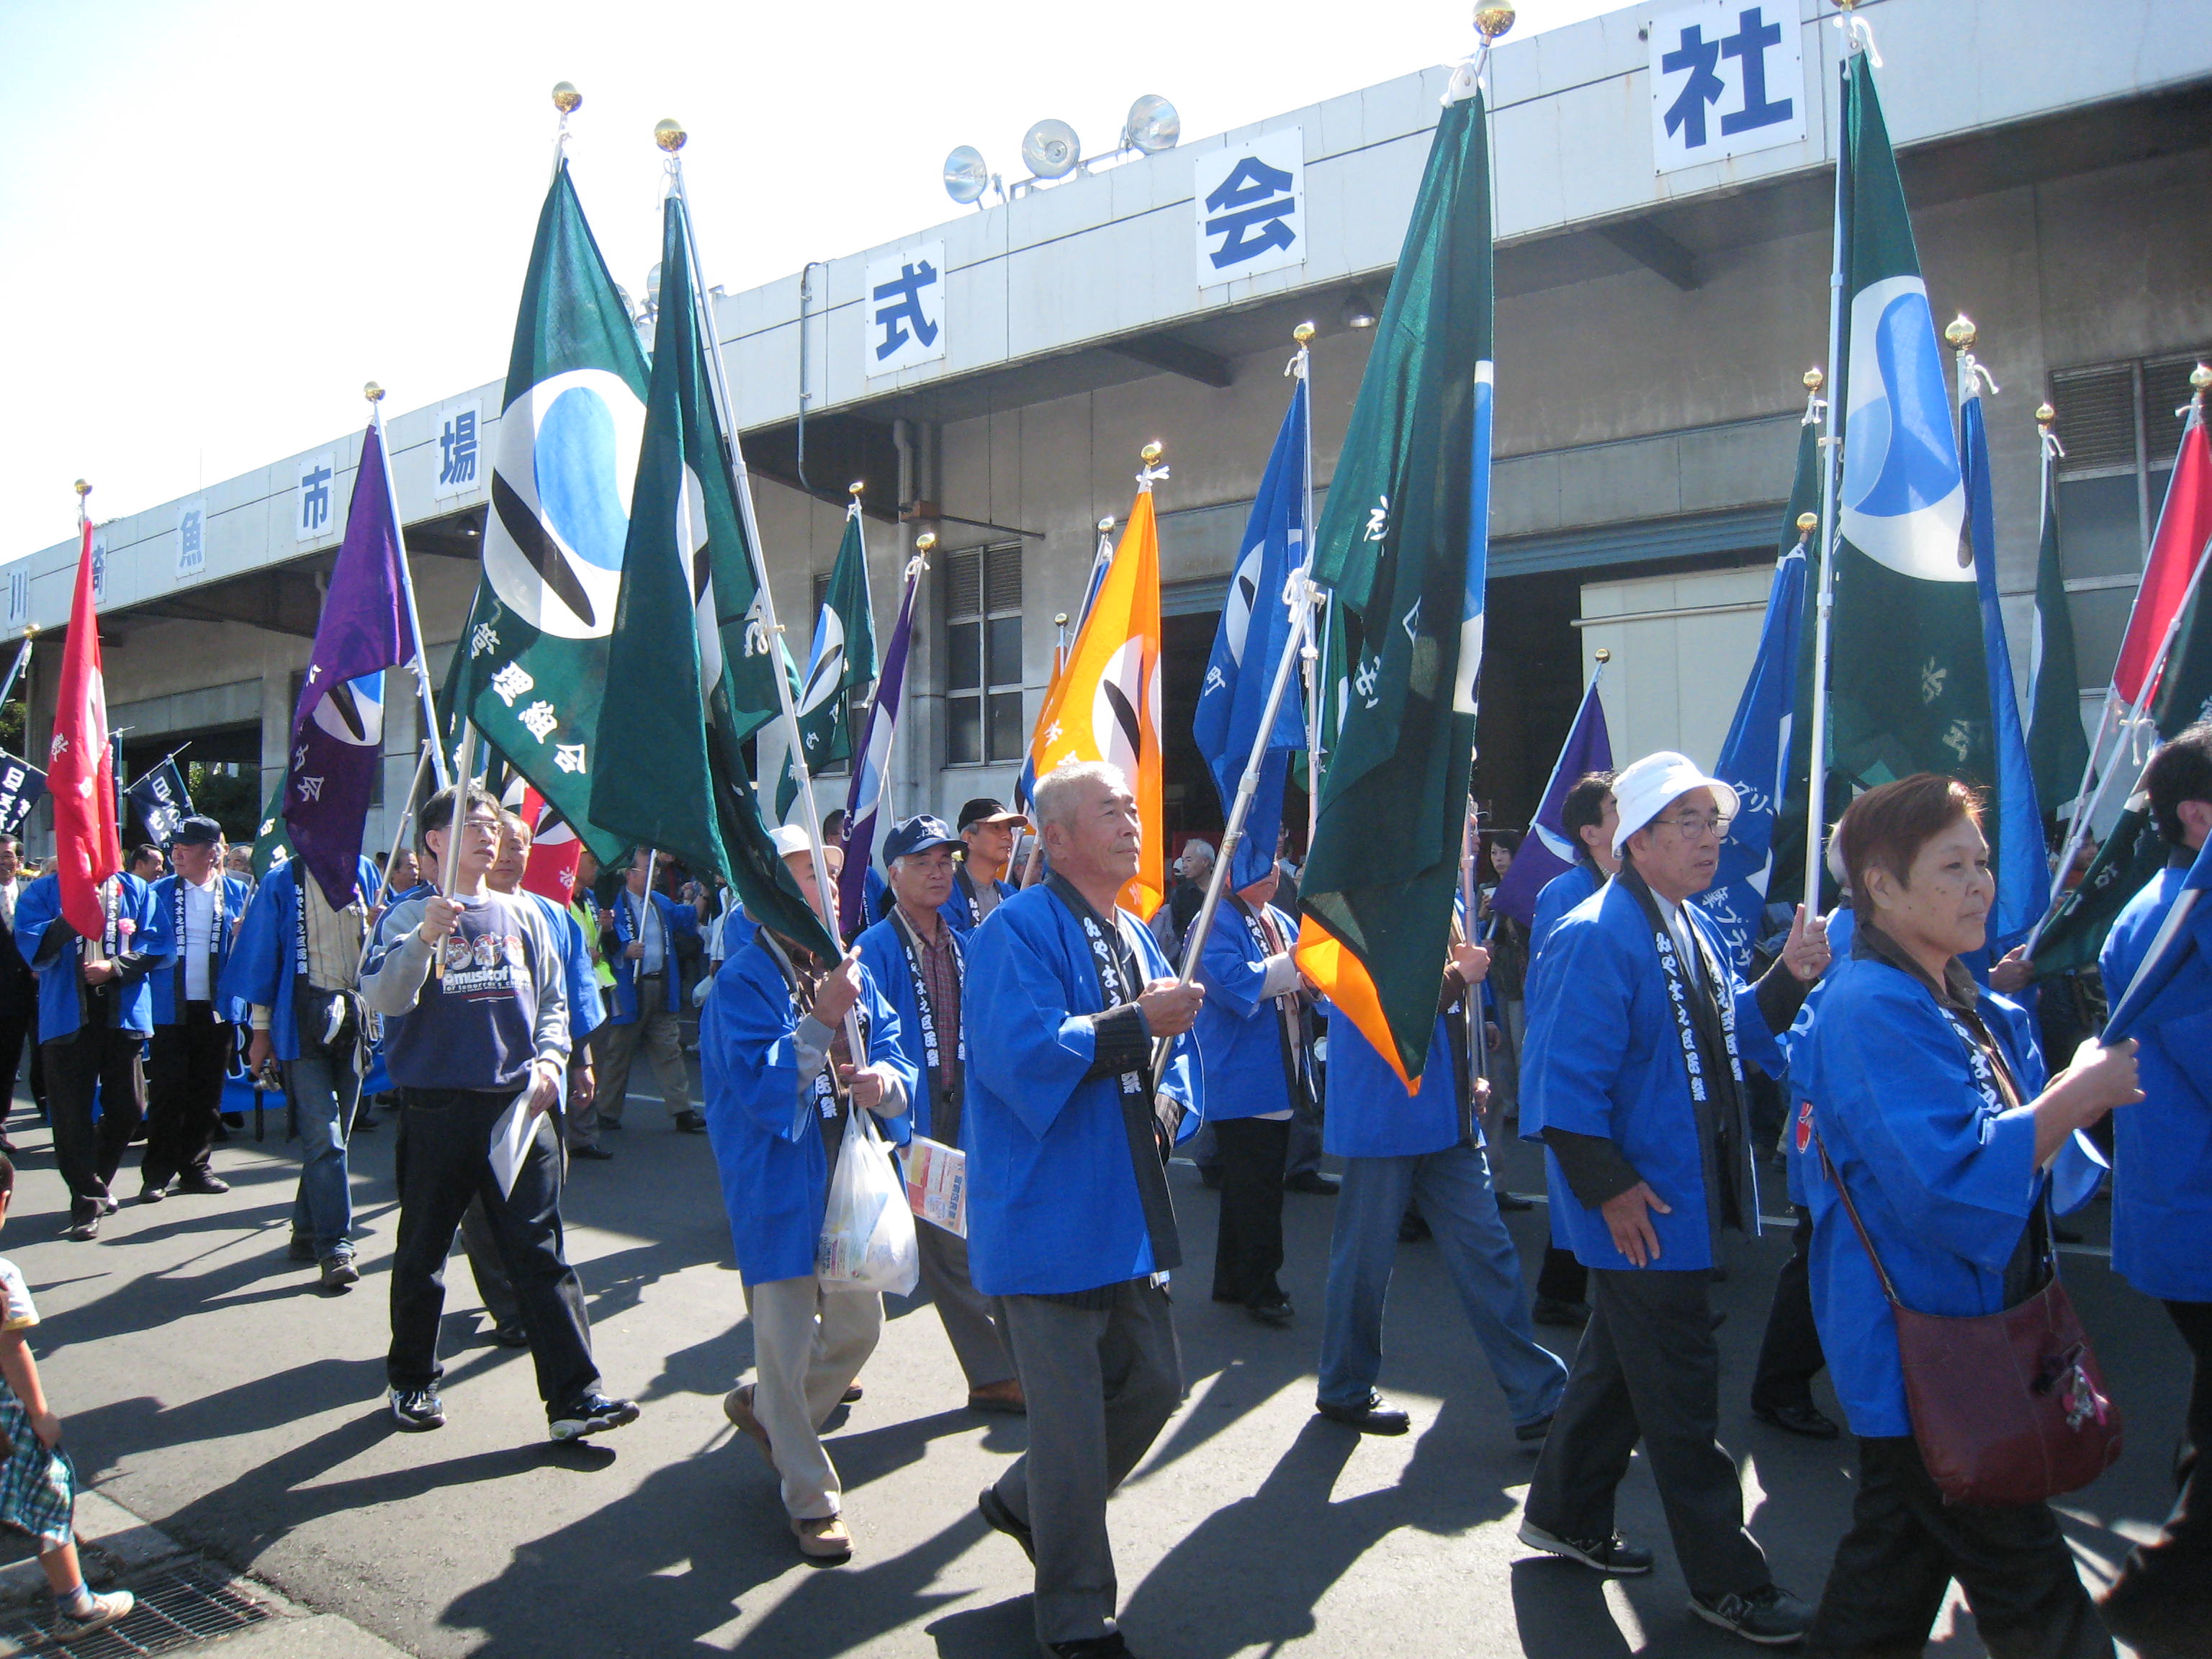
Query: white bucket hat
[(1643, 789), (791, 838)]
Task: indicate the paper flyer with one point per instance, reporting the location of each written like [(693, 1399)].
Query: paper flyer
[(937, 1183)]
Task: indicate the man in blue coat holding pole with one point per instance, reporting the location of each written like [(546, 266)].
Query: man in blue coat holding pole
[(1072, 1108), (196, 912)]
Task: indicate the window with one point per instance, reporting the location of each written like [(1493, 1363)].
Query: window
[(983, 702), (2118, 423)]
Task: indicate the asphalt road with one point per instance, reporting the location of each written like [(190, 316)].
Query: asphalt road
[(208, 1387)]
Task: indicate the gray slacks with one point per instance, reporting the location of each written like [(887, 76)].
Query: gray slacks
[(1649, 1370), (1100, 1386), (970, 1317)]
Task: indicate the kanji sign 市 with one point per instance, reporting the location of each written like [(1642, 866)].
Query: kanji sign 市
[(1250, 201), (311, 509), (1727, 78), (902, 309)]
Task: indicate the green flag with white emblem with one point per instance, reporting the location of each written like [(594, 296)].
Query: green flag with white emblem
[(844, 657), (531, 668)]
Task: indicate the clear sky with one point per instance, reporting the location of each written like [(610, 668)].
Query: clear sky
[(217, 220)]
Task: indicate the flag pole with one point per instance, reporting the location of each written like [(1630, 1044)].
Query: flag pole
[(429, 747), (1309, 653), (449, 866), (374, 393), (15, 669), (1816, 797), (670, 136)]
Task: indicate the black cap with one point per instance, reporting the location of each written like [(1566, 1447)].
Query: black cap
[(918, 835), (984, 810), (197, 831)]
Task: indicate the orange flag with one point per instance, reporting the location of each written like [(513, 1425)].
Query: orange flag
[(1105, 706)]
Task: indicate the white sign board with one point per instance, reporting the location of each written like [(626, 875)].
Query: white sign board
[(1250, 203), (192, 539), (19, 596), (313, 507), (1727, 78), (902, 309), (460, 466)]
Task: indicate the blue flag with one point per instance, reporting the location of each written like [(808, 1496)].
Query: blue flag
[(337, 730), (1753, 757), (2016, 826), (1254, 631), (1549, 850), (2183, 933)]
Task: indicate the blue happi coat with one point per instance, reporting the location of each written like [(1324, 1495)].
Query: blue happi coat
[(959, 909), (1943, 1173), (1369, 1115), (168, 985), (885, 959), (55, 952), (775, 1183), (1560, 895), (680, 921), (1603, 1056), (1239, 1035), (263, 965), (2162, 1146), (1053, 1204), (586, 1010)]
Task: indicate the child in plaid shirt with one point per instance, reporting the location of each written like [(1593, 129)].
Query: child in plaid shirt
[(38, 1486)]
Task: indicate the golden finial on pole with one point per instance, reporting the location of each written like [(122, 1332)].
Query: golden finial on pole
[(1808, 523), (1815, 378), (1960, 332), (669, 134), (83, 489), (2045, 414), (854, 488), (2200, 376), (1602, 654), (1060, 619), (374, 392), (1106, 525), (1492, 21), (1303, 333), (926, 542), (566, 98), (1150, 453)]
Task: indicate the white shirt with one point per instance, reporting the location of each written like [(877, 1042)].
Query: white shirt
[(643, 913), (8, 892), (198, 943), (1684, 931)]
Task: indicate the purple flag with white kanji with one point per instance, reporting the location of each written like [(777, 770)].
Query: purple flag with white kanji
[(337, 730)]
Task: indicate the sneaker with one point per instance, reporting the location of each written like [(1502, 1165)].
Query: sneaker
[(591, 1413), (1613, 1554), (418, 1409), (106, 1610), (737, 1406), (1769, 1615), (339, 1275), (202, 1182)]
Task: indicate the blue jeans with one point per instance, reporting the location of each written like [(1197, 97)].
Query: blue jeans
[(1460, 1207), (324, 1092)]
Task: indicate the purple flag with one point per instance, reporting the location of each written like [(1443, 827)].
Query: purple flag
[(337, 730), (1549, 850), (865, 795)]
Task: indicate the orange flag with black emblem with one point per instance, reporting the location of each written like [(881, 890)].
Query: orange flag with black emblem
[(1105, 706)]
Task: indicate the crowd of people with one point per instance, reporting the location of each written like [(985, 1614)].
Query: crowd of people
[(1000, 1000)]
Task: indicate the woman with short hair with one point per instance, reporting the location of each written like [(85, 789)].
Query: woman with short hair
[(1930, 1104)]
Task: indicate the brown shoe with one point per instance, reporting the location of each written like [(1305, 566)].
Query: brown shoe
[(737, 1406), (1005, 1397), (823, 1538)]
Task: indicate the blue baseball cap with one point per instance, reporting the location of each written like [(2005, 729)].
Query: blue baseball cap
[(918, 835)]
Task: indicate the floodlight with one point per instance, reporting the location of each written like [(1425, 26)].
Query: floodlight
[(966, 175), (1152, 126), (1359, 312), (1051, 149)]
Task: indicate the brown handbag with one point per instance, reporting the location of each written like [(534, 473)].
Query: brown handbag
[(2007, 1407)]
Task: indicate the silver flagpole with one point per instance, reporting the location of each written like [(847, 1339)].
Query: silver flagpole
[(15, 669), (429, 747), (374, 393)]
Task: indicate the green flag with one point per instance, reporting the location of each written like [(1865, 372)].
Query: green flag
[(272, 842), (843, 657), (531, 669), (684, 665), (1403, 541), (2058, 750), (1908, 688), (1787, 880)]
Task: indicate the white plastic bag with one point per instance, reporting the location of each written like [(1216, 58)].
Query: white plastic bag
[(867, 1240)]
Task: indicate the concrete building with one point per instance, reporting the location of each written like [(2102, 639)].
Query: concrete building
[(1656, 310)]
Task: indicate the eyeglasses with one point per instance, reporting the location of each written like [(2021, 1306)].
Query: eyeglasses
[(489, 826), (1696, 826)]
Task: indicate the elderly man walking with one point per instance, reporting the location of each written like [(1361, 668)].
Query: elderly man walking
[(1067, 1128), (1635, 1038), (918, 961), (979, 883)]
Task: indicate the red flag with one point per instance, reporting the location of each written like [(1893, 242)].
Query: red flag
[(2185, 525), (81, 774), (555, 852)]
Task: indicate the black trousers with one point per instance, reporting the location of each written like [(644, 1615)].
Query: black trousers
[(1562, 1277), (1906, 1544), (1648, 1368), (444, 1160), (2166, 1586), (1790, 1356), (15, 1031), (94, 1057), (183, 1092), (1248, 1248)]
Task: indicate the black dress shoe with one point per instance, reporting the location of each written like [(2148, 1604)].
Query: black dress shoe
[(1799, 1417), (1550, 1310), (691, 1123), (1001, 1519), (591, 1154), (1312, 1181), (1278, 1312), (1109, 1646), (82, 1227), (233, 1119), (1510, 1202), (1370, 1416), (853, 1395), (201, 1181), (510, 1336)]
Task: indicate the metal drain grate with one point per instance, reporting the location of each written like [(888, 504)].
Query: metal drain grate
[(174, 1610)]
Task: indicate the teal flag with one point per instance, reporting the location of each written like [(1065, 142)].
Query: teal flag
[(531, 668), (1403, 542), (1789, 879), (686, 655), (272, 841), (844, 657), (2058, 748), (1909, 689)]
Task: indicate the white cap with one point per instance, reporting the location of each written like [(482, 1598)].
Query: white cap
[(1643, 789), (790, 838)]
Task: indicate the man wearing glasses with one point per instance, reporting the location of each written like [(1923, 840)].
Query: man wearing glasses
[(1638, 1031), (473, 987)]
